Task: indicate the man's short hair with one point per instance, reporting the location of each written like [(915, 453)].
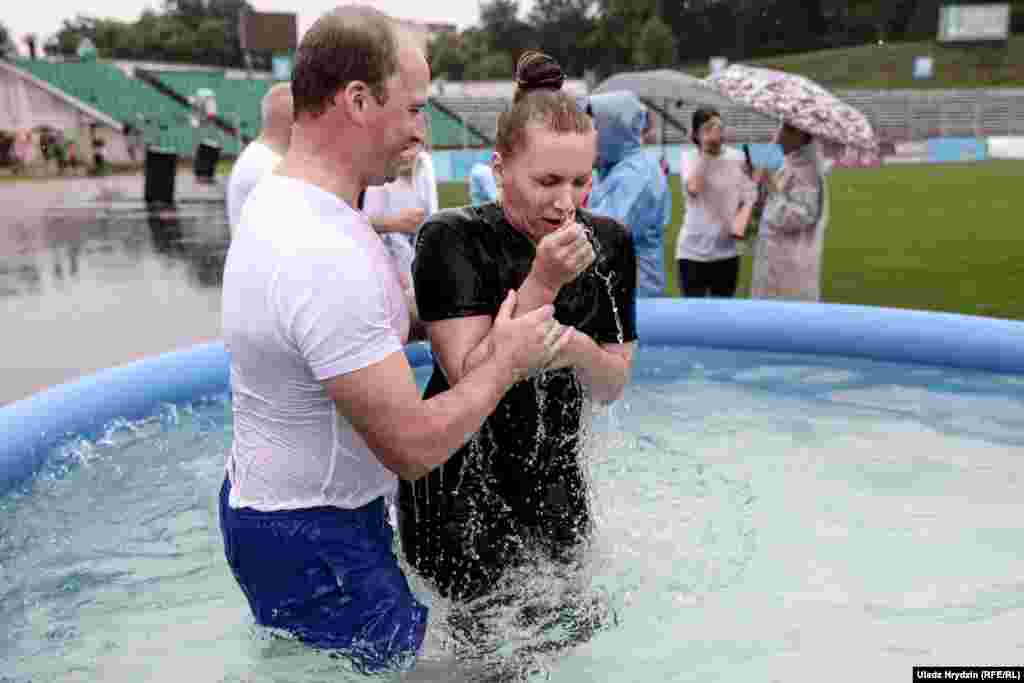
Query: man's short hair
[(350, 43), (277, 100)]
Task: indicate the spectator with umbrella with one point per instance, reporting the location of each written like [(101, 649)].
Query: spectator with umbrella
[(787, 261)]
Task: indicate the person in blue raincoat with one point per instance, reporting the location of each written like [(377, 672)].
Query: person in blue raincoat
[(482, 186), (631, 186)]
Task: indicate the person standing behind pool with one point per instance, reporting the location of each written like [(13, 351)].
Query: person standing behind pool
[(631, 186), (262, 154), (650, 137), (787, 258), (719, 200), (397, 209), (519, 486), (314, 321)]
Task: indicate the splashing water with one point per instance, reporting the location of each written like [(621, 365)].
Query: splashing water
[(608, 278), (541, 606)]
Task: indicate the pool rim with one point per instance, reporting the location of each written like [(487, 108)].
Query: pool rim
[(32, 428)]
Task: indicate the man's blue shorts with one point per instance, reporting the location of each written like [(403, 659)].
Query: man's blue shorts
[(328, 576)]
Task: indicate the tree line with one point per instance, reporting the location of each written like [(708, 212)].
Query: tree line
[(598, 36), (185, 31), (606, 36)]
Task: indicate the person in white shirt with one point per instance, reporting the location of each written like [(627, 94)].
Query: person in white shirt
[(397, 209), (326, 412), (719, 199), (263, 153)]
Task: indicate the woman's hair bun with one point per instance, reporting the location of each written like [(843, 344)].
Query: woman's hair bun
[(538, 71)]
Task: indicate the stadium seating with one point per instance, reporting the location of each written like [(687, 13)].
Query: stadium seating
[(238, 102), (163, 121)]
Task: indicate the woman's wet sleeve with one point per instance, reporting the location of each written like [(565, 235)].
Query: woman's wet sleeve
[(617, 323), (449, 277)]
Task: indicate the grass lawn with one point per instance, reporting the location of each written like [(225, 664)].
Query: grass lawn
[(941, 238), (890, 66)]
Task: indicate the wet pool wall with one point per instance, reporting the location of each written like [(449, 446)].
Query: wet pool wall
[(32, 428)]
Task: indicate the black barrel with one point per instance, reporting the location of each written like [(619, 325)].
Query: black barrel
[(205, 164), (161, 166)]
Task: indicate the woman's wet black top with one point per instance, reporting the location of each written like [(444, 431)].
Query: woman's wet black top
[(525, 458)]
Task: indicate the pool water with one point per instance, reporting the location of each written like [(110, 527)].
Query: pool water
[(760, 517)]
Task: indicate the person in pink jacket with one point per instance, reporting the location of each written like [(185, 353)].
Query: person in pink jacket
[(787, 260)]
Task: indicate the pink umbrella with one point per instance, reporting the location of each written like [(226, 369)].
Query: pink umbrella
[(803, 104)]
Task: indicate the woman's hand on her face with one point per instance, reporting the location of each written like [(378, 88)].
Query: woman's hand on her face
[(562, 256)]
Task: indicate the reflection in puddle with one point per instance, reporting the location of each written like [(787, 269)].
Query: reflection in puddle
[(88, 283), (86, 242)]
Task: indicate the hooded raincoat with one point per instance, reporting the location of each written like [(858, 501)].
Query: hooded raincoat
[(630, 186), (482, 186)]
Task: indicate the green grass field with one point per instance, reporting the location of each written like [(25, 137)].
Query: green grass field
[(891, 65), (940, 238)]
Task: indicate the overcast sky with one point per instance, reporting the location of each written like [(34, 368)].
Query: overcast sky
[(44, 17)]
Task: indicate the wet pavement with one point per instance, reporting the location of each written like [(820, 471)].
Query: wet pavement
[(91, 277)]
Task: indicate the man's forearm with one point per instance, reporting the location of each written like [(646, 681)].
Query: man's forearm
[(383, 224), (450, 419)]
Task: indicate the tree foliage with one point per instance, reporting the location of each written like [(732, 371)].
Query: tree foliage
[(583, 35), (612, 35), (198, 31)]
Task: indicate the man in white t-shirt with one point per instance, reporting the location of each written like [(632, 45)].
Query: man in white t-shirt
[(326, 410), (264, 153)]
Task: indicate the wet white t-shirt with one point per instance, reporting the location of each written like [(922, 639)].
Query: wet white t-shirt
[(310, 293), (252, 164)]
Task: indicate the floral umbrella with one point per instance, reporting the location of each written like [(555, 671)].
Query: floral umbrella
[(803, 104)]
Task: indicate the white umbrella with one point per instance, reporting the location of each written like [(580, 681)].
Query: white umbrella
[(665, 84)]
